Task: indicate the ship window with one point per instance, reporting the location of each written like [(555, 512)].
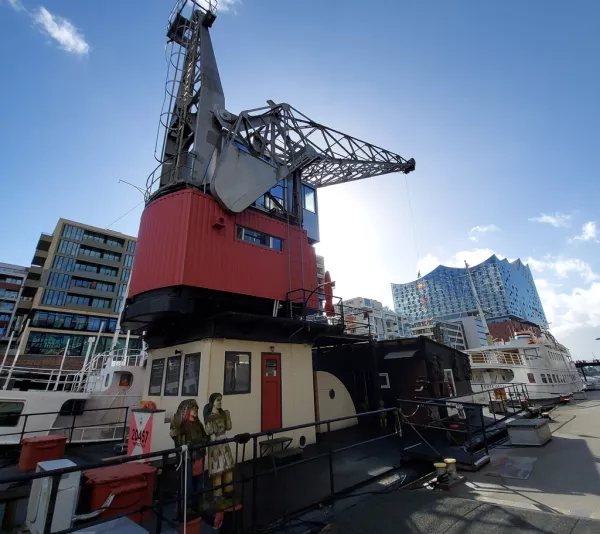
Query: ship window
[(191, 374), (384, 380), (173, 373), (544, 379), (531, 378), (10, 412), (237, 373), (156, 376)]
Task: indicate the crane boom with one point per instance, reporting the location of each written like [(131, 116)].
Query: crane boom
[(239, 158)]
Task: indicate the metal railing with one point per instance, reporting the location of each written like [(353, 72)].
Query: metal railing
[(68, 431), (257, 482), (496, 357)]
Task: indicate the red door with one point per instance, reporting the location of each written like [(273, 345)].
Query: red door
[(271, 391)]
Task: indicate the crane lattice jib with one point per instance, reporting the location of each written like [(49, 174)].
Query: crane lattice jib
[(285, 136)]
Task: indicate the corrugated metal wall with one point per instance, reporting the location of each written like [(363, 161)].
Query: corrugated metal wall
[(181, 242)]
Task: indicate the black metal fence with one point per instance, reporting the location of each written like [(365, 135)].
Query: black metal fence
[(19, 420), (269, 488), (274, 484)]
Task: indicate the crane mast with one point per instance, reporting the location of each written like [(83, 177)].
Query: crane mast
[(488, 337), (238, 157)]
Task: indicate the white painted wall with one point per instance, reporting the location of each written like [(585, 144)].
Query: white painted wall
[(245, 409), (340, 406)]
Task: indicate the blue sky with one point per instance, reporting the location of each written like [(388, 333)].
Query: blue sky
[(496, 101)]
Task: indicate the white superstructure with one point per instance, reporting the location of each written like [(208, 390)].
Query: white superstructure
[(91, 404), (542, 364)]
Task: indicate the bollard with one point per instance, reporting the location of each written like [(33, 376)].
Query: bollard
[(440, 468), (451, 468)]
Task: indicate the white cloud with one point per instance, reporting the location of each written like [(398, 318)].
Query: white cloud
[(476, 231), (589, 232), (563, 267), (228, 5), (429, 262), (570, 311), (558, 220), (16, 5), (62, 31)]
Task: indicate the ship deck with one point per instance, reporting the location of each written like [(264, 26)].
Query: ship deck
[(561, 495)]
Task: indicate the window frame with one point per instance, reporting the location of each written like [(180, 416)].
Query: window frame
[(307, 188), (176, 394), (240, 234), (187, 358), (237, 353), (162, 377), (387, 381), (4, 415)]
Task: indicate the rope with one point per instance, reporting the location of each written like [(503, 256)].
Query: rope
[(412, 220)]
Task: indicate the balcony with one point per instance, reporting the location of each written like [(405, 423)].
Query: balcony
[(24, 304), (39, 258), (35, 269), (44, 242)]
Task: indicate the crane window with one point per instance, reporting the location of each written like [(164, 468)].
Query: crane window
[(310, 198), (259, 238)]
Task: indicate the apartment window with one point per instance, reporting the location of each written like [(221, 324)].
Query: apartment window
[(113, 256), (125, 275), (9, 294), (72, 232), (78, 300), (237, 373), (4, 317), (173, 374), (259, 238), (54, 344), (54, 298), (100, 303), (93, 252), (68, 247), (87, 267), (114, 242), (128, 260), (59, 280), (309, 198), (531, 378), (191, 375), (93, 236), (156, 377), (117, 305), (108, 271), (63, 264), (93, 284), (10, 280), (122, 290), (131, 247)]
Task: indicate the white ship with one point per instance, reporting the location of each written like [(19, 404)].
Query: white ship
[(540, 364), (89, 405)]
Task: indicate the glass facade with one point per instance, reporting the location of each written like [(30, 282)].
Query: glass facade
[(504, 289), (54, 344)]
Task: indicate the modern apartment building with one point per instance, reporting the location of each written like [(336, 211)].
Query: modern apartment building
[(365, 316), (12, 279), (504, 289), (446, 332), (77, 282)]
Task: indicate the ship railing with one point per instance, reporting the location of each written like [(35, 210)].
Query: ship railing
[(423, 429), (49, 379), (19, 421), (310, 305), (497, 357)]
